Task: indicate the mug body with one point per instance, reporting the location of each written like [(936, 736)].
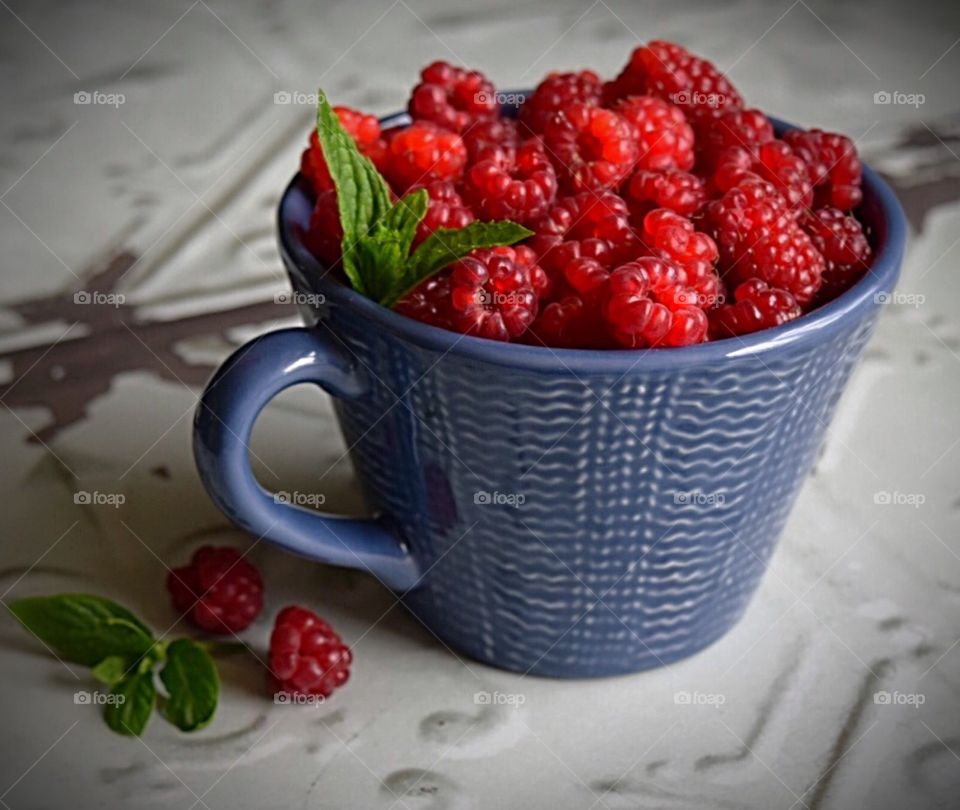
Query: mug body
[(584, 513)]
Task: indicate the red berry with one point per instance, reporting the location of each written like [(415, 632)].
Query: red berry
[(570, 323), (519, 187), (557, 92), (664, 137), (757, 306), (841, 240), (219, 591), (592, 148), (493, 292), (491, 132), (672, 73), (429, 302), (306, 656), (679, 191), (422, 153), (591, 215), (833, 164), (365, 131), (773, 161), (452, 97), (324, 233), (446, 210), (747, 129)]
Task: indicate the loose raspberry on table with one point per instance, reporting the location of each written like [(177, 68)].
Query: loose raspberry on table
[(557, 92), (591, 148), (677, 190), (747, 129), (493, 292), (844, 245), (218, 591), (446, 210), (365, 131), (452, 97), (422, 153), (429, 302), (833, 164), (324, 235), (306, 656), (756, 306), (520, 187), (672, 73), (647, 305), (664, 137), (491, 132)]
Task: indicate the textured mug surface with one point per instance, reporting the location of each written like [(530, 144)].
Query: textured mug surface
[(560, 512)]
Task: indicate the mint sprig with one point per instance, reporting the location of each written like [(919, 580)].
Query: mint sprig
[(123, 653), (378, 235)]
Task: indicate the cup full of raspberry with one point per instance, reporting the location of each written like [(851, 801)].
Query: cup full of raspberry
[(584, 344)]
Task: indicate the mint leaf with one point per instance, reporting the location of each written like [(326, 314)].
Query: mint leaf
[(83, 628), (362, 194), (132, 704), (111, 669), (446, 245), (191, 680)]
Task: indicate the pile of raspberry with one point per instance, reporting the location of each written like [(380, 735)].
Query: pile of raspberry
[(665, 212)]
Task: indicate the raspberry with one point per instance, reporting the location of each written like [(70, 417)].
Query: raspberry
[(446, 210), (521, 187), (757, 306), (365, 131), (422, 153), (324, 233), (306, 656), (747, 129), (773, 161), (493, 292), (668, 235), (219, 591), (647, 306), (664, 137), (670, 72), (679, 191), (846, 251), (557, 92), (592, 148), (429, 302), (555, 255), (833, 164), (452, 97), (591, 216), (569, 323), (496, 132)]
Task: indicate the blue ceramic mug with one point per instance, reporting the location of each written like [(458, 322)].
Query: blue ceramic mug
[(560, 512)]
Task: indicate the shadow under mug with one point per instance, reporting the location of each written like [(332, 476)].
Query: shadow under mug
[(558, 512)]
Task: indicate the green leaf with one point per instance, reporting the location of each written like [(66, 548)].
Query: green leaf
[(83, 628), (131, 704), (362, 194), (191, 680), (112, 669), (446, 245)]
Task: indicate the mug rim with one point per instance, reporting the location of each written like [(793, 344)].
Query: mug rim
[(890, 229)]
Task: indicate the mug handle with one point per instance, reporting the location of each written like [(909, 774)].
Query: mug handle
[(234, 397)]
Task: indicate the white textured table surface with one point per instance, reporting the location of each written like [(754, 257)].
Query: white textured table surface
[(167, 199)]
